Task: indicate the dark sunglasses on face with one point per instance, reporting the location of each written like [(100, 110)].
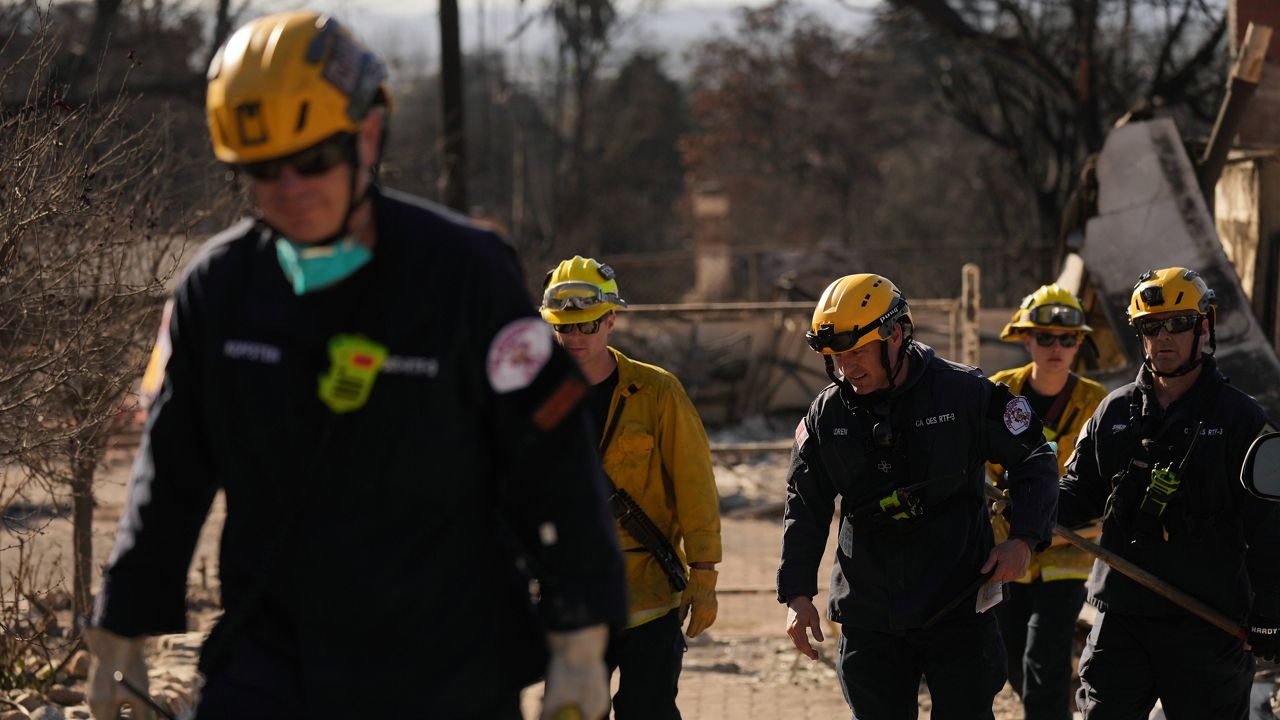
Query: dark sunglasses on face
[(585, 328), (315, 160), (1048, 339), (1173, 325)]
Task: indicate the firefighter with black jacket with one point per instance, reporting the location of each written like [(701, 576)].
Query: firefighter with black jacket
[(902, 437), (361, 373), (1159, 462)]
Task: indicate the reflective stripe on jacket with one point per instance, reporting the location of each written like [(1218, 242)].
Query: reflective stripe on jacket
[(660, 455), (1062, 562)]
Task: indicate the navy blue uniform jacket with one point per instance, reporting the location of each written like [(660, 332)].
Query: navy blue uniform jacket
[(1223, 544), (397, 525), (947, 422)]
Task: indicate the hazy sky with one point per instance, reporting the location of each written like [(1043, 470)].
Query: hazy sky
[(409, 31)]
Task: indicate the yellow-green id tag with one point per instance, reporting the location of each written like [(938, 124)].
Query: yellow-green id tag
[(354, 362)]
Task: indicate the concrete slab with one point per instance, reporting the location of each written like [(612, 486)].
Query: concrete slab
[(1151, 215)]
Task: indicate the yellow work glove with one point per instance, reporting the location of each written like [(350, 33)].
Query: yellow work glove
[(110, 653), (577, 678), (699, 600)]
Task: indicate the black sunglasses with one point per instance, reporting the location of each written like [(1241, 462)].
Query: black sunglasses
[(1173, 325), (585, 328), (1048, 339), (315, 160)]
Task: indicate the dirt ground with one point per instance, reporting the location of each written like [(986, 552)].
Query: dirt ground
[(742, 668)]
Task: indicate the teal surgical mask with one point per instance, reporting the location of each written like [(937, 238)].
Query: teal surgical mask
[(314, 267)]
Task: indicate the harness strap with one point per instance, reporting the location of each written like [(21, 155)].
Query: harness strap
[(1054, 414), (607, 436)]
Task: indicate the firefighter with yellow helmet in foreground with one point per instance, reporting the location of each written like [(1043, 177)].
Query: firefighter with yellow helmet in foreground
[(360, 372), (902, 437), (1159, 462), (1038, 617), (656, 456)]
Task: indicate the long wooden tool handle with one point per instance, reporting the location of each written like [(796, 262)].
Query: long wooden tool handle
[(1143, 578), (1154, 584)]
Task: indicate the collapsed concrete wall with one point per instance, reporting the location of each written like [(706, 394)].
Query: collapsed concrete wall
[(1151, 215)]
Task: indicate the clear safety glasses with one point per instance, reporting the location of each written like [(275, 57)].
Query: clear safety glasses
[(578, 295), (1064, 315)]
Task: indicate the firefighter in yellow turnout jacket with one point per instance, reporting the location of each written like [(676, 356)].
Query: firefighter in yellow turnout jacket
[(1038, 619), (655, 453)]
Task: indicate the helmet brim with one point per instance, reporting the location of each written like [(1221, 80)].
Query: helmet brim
[(1014, 331)]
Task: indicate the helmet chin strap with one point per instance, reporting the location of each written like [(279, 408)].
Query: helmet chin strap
[(1196, 355), (891, 372), (836, 377)]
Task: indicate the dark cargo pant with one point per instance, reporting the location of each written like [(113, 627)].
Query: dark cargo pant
[(648, 659), (1038, 623), (1196, 670), (962, 660)]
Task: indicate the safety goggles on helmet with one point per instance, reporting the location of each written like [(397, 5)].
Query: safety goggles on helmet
[(1173, 325), (826, 338), (585, 328), (1064, 315), (1048, 339), (315, 160), (579, 295)]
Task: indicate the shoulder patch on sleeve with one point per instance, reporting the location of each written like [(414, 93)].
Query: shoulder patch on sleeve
[(1017, 415), (802, 433), (518, 353)]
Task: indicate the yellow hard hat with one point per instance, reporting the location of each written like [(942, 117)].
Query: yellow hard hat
[(856, 310), (1169, 289), (283, 83), (579, 290), (1052, 307)]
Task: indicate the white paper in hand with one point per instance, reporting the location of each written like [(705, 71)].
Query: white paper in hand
[(989, 595)]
